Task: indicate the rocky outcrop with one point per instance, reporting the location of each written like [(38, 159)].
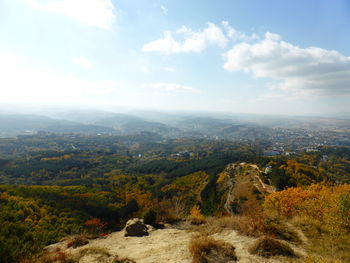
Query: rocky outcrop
[(136, 228)]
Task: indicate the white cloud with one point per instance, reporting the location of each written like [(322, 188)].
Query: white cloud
[(311, 70), (164, 9), (21, 82), (234, 34), (162, 88), (191, 41), (97, 13), (84, 62)]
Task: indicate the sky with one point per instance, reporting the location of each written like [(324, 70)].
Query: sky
[(272, 57)]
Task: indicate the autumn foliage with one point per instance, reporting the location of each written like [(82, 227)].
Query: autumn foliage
[(95, 225), (196, 215), (326, 204)]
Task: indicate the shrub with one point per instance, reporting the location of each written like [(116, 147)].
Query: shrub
[(208, 250), (171, 211), (150, 217), (196, 215), (267, 246)]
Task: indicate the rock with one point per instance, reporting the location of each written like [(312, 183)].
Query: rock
[(136, 228), (150, 228)]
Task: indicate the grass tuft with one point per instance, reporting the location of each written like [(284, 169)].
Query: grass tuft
[(208, 250), (77, 241), (267, 247), (55, 257), (122, 260)]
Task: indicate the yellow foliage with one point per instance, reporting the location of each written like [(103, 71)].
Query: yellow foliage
[(196, 214), (190, 184), (319, 202), (222, 176)]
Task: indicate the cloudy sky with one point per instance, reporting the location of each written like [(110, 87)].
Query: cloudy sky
[(271, 56)]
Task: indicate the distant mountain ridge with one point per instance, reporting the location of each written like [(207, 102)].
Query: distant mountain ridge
[(12, 125), (169, 125)]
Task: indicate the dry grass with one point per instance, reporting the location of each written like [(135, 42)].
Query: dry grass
[(171, 211), (327, 244), (57, 256), (77, 241), (122, 260), (99, 254), (216, 225), (171, 218), (205, 249), (267, 247), (281, 231), (248, 226), (318, 259), (96, 254)]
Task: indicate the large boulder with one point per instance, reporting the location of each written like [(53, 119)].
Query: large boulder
[(136, 228)]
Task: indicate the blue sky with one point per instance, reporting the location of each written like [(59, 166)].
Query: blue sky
[(272, 56)]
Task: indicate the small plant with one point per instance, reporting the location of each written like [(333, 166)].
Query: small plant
[(208, 250), (267, 247)]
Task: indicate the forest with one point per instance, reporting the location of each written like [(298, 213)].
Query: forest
[(52, 185)]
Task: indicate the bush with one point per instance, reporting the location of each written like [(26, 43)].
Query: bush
[(150, 217), (267, 246), (208, 250), (196, 215)]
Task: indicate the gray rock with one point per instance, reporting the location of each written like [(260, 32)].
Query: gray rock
[(136, 228)]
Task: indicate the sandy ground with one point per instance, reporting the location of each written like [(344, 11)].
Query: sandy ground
[(166, 245)]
